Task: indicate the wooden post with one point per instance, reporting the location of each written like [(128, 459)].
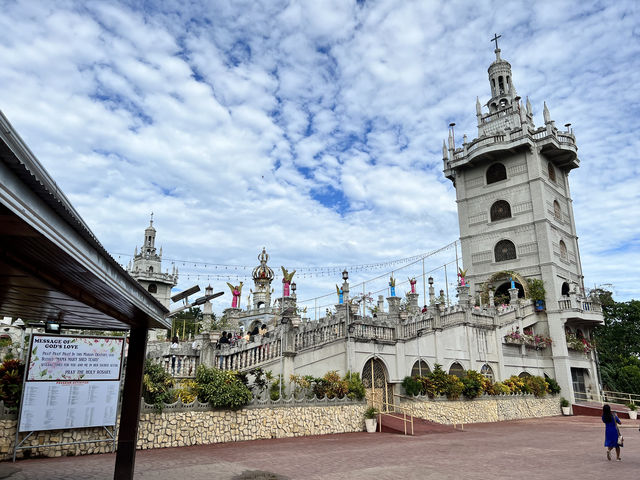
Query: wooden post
[(130, 407)]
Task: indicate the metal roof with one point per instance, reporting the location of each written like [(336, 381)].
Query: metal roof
[(51, 265)]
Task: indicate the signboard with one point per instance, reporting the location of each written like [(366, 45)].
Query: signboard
[(71, 382)]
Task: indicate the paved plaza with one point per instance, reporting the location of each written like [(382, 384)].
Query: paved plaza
[(546, 448)]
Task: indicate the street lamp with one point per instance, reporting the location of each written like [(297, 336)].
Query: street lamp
[(293, 289), (345, 292)]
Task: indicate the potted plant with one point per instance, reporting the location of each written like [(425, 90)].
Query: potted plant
[(371, 419), (564, 404), (633, 410), (537, 293)]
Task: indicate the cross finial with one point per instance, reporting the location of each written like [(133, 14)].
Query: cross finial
[(151, 221), (495, 39)]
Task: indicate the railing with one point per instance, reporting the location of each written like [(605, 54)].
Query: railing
[(396, 411), (319, 336), (620, 397), (578, 304), (377, 332), (183, 366), (411, 329), (232, 359), (502, 113)]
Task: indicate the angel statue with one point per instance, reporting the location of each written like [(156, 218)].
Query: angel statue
[(461, 275), (340, 295), (413, 282), (236, 291), (286, 281), (392, 285)]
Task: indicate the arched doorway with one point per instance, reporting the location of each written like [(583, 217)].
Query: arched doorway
[(379, 391), (501, 294)]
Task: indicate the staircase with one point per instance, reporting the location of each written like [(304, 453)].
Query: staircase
[(390, 423)]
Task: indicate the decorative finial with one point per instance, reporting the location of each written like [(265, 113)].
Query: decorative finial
[(151, 221), (478, 107), (545, 114)]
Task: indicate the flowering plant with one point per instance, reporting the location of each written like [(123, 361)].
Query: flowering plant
[(580, 344), (537, 341), (514, 337)]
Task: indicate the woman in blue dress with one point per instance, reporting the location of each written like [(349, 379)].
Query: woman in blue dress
[(610, 420)]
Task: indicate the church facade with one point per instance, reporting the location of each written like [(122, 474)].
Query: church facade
[(518, 238)]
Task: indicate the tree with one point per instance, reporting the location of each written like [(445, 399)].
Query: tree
[(186, 322), (618, 343)]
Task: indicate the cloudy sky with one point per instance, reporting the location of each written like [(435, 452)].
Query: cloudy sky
[(314, 128)]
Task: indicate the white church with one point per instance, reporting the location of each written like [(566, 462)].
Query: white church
[(516, 225)]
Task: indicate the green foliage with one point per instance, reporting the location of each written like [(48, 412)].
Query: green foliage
[(454, 387), (536, 289), (371, 412), (221, 388), (412, 386), (5, 342), (274, 389), (618, 342), (355, 387), (439, 378), (537, 385), (564, 402), (500, 388), (186, 391), (427, 387), (11, 375), (157, 385), (472, 382), (554, 388)]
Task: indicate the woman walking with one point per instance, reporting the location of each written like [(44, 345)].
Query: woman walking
[(611, 431)]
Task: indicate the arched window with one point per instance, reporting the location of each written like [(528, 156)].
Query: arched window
[(457, 370), (563, 250), (552, 172), (557, 212), (495, 173), (505, 250), (524, 375), (565, 289), (499, 210), (150, 269), (420, 368), (487, 371), (152, 288)]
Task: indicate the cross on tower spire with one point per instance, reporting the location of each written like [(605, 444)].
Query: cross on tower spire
[(151, 221), (495, 39)]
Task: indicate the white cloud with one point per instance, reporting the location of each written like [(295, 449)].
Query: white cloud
[(314, 129)]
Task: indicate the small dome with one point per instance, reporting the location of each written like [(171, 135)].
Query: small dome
[(262, 271)]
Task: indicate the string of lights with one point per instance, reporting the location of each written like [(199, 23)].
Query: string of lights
[(218, 271)]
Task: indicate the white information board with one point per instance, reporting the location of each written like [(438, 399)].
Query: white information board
[(71, 382)]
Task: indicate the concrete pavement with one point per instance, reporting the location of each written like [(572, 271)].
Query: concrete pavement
[(546, 448)]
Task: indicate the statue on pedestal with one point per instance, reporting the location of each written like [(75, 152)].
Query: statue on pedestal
[(236, 291), (286, 280), (461, 276), (340, 295), (392, 286), (413, 282)]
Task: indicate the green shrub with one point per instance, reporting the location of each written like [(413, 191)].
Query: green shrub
[(412, 386), (221, 388), (427, 386), (371, 412), (554, 388), (454, 387), (186, 391), (274, 389), (11, 375), (537, 385), (472, 382), (157, 385), (500, 388), (440, 379), (355, 386)]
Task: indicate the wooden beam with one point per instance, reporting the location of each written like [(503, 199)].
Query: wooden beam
[(130, 407)]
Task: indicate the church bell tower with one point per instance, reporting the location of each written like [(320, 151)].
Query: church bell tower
[(516, 216)]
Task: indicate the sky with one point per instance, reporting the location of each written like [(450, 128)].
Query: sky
[(315, 129)]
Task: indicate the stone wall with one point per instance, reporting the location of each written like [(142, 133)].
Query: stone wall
[(483, 409), (183, 428)]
